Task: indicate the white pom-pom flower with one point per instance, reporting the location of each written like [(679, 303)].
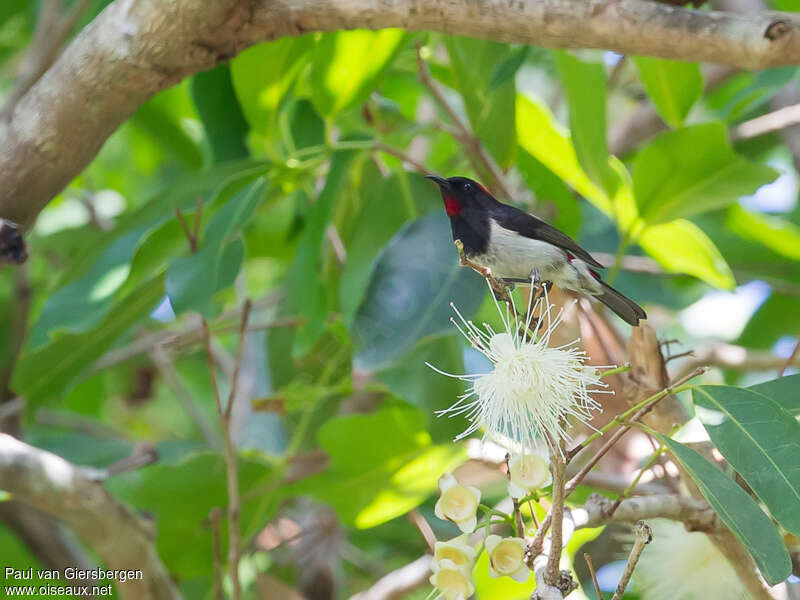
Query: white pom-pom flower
[(532, 388), (507, 557), (458, 503), (458, 550), (528, 471), (451, 581)]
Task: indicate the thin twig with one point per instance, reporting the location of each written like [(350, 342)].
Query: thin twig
[(198, 217), (214, 519), (636, 410), (768, 123), (167, 369), (791, 358), (497, 287), (588, 558), (238, 362), (424, 528), (486, 162), (231, 466), (397, 153), (644, 535), (51, 33), (558, 465), (187, 232), (336, 243)]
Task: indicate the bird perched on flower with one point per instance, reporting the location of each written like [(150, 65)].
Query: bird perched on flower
[(515, 246)]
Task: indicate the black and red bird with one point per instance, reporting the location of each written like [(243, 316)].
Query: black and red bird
[(516, 246)]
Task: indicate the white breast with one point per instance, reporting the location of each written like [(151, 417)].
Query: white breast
[(513, 255)]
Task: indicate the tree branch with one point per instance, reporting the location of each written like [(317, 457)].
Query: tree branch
[(54, 486), (133, 50)]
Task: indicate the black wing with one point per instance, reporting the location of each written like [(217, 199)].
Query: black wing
[(516, 220)]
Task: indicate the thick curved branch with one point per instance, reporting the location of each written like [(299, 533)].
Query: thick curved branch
[(54, 486), (134, 49)]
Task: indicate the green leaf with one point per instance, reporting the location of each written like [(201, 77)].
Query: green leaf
[(548, 142), (411, 287), (507, 69), (263, 74), (385, 211), (184, 540), (193, 280), (681, 247), (760, 440), (737, 510), (585, 88), (549, 188), (347, 66), (306, 295), (490, 108), (82, 303), (775, 233), (672, 85), (154, 119), (415, 382), (48, 372), (220, 112), (773, 319), (381, 465), (785, 391), (693, 170), (764, 85)]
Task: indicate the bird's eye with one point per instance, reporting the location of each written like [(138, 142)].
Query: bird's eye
[(467, 187)]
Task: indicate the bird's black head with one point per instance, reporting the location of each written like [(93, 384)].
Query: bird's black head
[(459, 193)]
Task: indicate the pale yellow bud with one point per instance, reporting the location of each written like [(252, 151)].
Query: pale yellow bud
[(507, 557), (458, 503)]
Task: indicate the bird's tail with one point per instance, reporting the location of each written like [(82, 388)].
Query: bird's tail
[(627, 309)]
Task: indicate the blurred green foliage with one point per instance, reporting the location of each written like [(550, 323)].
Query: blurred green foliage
[(293, 167)]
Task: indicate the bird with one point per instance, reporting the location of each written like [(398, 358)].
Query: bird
[(518, 247)]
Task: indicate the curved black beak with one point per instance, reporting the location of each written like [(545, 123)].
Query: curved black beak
[(440, 181)]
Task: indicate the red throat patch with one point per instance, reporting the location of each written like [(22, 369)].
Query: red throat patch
[(452, 205)]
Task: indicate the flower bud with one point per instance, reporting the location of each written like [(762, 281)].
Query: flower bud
[(458, 503), (452, 582), (527, 472), (507, 557), (458, 550)]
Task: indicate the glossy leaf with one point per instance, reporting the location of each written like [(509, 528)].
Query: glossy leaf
[(415, 382), (737, 510), (48, 372), (220, 112), (774, 232), (785, 391), (263, 74), (182, 514), (541, 135), (584, 85), (681, 247), (347, 66), (550, 189), (760, 440), (410, 290), (692, 170), (306, 294), (381, 465), (672, 85), (488, 97), (764, 85), (771, 321), (193, 280), (385, 211)]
